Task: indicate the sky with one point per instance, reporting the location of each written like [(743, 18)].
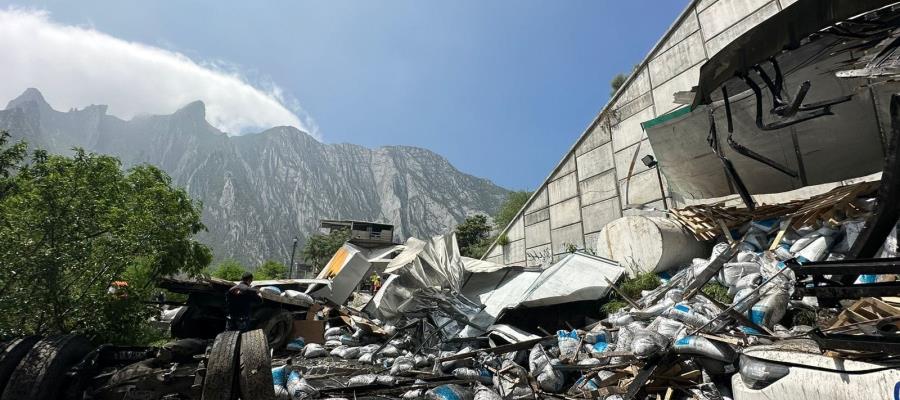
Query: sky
[(501, 88)]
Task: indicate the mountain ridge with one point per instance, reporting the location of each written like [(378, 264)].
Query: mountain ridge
[(260, 189)]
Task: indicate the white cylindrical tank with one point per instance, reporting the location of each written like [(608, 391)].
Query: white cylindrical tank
[(649, 244)]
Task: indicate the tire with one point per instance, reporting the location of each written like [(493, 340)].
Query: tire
[(41, 374), (277, 327), (222, 367), (192, 322), (256, 367), (12, 353)]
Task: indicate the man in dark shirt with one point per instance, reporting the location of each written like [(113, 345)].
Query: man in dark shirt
[(240, 299)]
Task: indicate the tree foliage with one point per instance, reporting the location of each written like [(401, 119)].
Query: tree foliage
[(230, 270), (473, 235), (510, 207), (271, 269), (69, 226), (616, 83), (320, 247)]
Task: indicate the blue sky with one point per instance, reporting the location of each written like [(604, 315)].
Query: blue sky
[(501, 88)]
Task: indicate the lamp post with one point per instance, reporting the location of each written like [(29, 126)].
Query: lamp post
[(652, 163), (291, 268)]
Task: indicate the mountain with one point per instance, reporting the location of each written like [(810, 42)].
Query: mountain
[(259, 190)]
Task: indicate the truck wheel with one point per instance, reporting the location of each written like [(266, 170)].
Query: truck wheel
[(278, 327), (256, 367), (12, 353), (41, 374), (220, 382)]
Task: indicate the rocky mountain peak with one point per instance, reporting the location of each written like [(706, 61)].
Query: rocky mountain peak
[(29, 96)]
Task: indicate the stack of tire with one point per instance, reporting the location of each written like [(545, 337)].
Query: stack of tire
[(239, 365), (35, 369)]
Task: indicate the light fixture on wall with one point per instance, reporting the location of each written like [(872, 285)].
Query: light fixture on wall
[(650, 162)]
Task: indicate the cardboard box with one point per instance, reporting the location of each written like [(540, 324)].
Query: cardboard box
[(310, 330)]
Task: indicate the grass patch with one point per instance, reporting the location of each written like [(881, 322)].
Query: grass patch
[(717, 292), (632, 287)]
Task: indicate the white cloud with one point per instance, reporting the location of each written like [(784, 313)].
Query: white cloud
[(76, 66)]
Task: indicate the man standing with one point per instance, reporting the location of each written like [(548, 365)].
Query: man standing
[(239, 300)]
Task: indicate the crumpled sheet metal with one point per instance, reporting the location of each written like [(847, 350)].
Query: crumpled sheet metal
[(576, 277)]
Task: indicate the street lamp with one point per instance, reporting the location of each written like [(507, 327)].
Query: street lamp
[(652, 163), (291, 268)]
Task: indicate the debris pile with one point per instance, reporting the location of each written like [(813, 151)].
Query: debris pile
[(445, 327)]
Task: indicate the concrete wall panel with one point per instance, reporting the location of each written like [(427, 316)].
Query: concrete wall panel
[(567, 235), (642, 189), (629, 131), (635, 106), (590, 241), (676, 59), (595, 161), (599, 135), (596, 216), (514, 253), (689, 25), (721, 15), (567, 166), (540, 201), (623, 159), (639, 86), (563, 188), (565, 213), (721, 40), (537, 216), (517, 230), (598, 188), (538, 255), (537, 234), (664, 95)]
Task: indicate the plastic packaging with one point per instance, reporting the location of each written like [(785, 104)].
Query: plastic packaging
[(281, 393), (413, 394), (301, 297), (270, 289), (366, 358), (472, 374), (541, 368), (702, 346), (568, 343), (769, 310), (313, 350), (647, 343), (732, 272), (346, 352), (512, 384), (450, 392), (331, 344), (683, 313), (280, 375), (335, 331), (402, 365), (817, 250), (484, 393), (298, 388), (296, 344), (667, 327)]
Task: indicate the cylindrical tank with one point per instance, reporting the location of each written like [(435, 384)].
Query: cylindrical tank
[(649, 244)]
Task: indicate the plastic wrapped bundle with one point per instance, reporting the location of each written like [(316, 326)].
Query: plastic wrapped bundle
[(512, 384), (300, 297), (701, 346), (346, 352), (298, 388), (313, 350), (568, 343), (667, 327), (402, 365), (450, 392), (541, 368), (646, 343), (769, 310), (484, 393), (685, 314), (413, 394), (472, 374)]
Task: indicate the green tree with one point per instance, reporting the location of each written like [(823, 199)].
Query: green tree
[(69, 226), (10, 157), (271, 270), (319, 248), (472, 236), (510, 207), (230, 270), (616, 83)]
